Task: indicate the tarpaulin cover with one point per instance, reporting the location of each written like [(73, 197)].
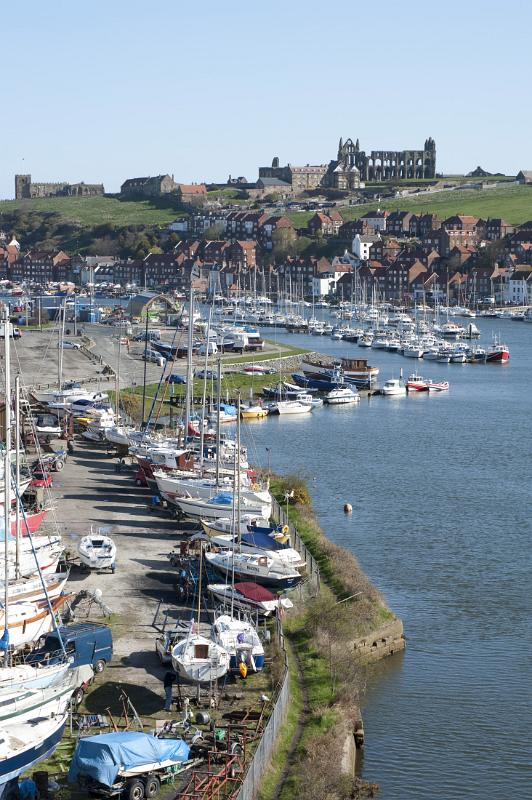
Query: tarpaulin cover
[(103, 757), (254, 592), (221, 498)]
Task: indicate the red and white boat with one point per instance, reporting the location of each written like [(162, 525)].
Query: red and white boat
[(416, 383), (498, 353), (438, 386), (32, 521)]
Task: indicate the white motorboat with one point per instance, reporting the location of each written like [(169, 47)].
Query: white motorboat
[(342, 395), (394, 387), (413, 351), (458, 357), (249, 595), (284, 407), (263, 569), (241, 641), (97, 551), (200, 659), (438, 386)]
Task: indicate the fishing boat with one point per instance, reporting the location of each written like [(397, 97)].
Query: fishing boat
[(263, 569), (341, 396), (249, 595), (394, 387), (354, 370), (23, 744), (416, 383), (498, 353), (240, 639), (97, 551)]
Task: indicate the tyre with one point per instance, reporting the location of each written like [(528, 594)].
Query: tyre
[(152, 786), (78, 696), (59, 464), (135, 790), (99, 666)]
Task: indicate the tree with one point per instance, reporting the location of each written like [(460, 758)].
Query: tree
[(284, 241), (214, 231)]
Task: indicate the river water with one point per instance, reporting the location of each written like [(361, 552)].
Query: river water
[(441, 492)]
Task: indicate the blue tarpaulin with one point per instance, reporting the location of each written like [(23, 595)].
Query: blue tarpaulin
[(103, 757)]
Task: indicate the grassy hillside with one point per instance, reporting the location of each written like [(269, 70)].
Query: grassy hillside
[(513, 203), (93, 211)]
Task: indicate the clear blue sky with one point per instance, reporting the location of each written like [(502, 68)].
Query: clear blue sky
[(100, 90)]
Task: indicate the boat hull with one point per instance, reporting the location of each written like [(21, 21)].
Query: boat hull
[(31, 753)]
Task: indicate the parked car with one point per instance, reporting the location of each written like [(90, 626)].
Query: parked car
[(70, 345), (205, 373), (181, 379), (154, 357), (41, 479)]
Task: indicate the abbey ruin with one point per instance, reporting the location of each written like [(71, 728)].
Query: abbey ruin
[(353, 166)]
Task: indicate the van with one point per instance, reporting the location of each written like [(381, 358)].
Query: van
[(208, 348), (85, 643), (154, 357)]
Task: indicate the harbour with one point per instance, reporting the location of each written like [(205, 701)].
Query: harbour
[(424, 543)]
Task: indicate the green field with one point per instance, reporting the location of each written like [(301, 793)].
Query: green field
[(92, 211), (512, 203)]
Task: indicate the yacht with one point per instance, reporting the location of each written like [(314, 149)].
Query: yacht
[(290, 407), (342, 395)]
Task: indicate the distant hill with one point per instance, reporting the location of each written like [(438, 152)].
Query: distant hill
[(512, 202)]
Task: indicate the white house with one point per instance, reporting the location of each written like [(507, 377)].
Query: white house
[(377, 219), (325, 282), (361, 244), (519, 287)]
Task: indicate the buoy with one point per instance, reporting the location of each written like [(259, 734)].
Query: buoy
[(348, 508)]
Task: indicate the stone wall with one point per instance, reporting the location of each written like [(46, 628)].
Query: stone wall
[(384, 641)]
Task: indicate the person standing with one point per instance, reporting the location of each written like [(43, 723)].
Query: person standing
[(169, 680)]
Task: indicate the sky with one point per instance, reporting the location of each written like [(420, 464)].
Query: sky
[(103, 90)]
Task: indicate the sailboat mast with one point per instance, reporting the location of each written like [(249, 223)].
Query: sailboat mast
[(189, 363), (204, 397), (17, 475), (237, 461), (7, 479), (60, 355), (218, 431)]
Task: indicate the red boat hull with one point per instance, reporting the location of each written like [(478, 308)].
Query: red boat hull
[(34, 521), (498, 357)]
